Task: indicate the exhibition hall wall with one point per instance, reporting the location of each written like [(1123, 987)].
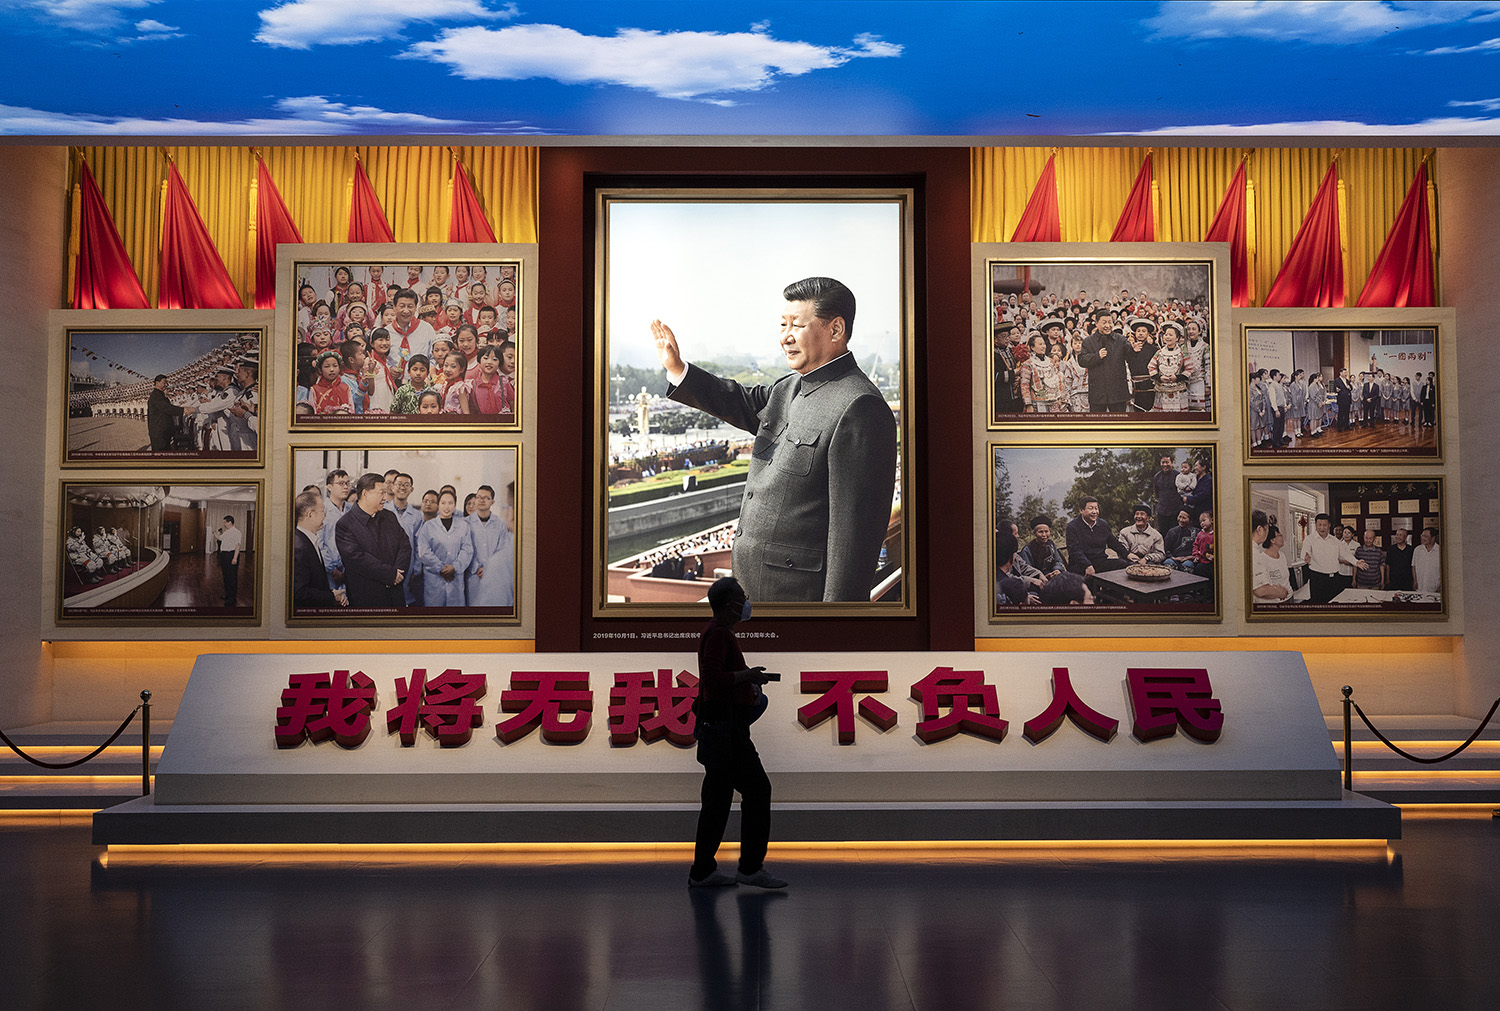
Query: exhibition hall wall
[(56, 672)]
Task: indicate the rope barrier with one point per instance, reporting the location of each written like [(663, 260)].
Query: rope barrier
[(1349, 704), (68, 765)]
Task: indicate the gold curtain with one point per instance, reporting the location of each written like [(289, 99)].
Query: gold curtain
[(1093, 183), (415, 186)]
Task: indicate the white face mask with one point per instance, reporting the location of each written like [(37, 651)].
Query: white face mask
[(745, 611)]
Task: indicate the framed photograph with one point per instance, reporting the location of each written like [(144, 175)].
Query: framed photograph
[(411, 342), (1313, 563), (1120, 532), (1342, 393), (167, 396), (749, 409), (1124, 339), (386, 533), (159, 553)]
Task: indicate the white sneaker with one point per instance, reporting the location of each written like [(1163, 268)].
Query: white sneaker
[(760, 879)]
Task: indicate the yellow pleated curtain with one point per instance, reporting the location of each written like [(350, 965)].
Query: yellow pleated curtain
[(415, 186), (1093, 183)]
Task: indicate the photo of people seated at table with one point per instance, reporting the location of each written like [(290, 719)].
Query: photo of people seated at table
[(1079, 341), (1124, 531), (429, 534), (1342, 393), (163, 395), (408, 343), (1346, 548)]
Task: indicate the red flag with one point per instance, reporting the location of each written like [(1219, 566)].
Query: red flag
[(366, 220), (192, 274), (1040, 221), (467, 223), (273, 224), (1402, 274), (1313, 273), (103, 277), (1230, 225), (1137, 223)]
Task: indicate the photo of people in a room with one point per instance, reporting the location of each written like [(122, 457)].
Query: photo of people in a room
[(1101, 342), (155, 552), (404, 533), (163, 395), (1342, 393), (407, 343), (1113, 532), (1345, 549)]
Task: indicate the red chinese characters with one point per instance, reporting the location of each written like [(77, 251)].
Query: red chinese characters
[(1165, 698), (1066, 703), (558, 701), (316, 707), (447, 706), (837, 698), (973, 706), (647, 705)]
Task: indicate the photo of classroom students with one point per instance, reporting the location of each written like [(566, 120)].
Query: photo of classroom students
[(1345, 548), (1342, 393), (1123, 531), (410, 343), (404, 533)]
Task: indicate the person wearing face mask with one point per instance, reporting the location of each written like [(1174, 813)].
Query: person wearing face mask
[(822, 472), (729, 700)]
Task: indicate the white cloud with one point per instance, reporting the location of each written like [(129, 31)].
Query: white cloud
[(91, 16), (1442, 126), (300, 24), (1329, 21), (305, 116), (670, 64), (1487, 46), (154, 31), (1487, 104)]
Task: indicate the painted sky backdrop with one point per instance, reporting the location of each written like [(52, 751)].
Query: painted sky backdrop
[(665, 67)]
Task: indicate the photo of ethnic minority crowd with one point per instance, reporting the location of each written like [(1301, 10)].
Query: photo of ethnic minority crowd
[(1342, 393), (407, 343), (160, 395), (1342, 547), (1090, 342), (153, 551), (397, 532), (1128, 530)]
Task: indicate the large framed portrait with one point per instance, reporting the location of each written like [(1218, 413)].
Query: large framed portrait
[(167, 396), (753, 353), (1113, 533), (1371, 548), (1122, 335), (381, 341), (167, 553), (392, 534), (1350, 385)]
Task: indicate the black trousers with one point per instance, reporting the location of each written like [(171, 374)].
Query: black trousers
[(1325, 586), (230, 569), (742, 772)]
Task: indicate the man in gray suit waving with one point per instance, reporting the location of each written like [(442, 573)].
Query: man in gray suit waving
[(818, 495)]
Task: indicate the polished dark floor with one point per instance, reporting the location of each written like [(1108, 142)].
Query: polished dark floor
[(1053, 929)]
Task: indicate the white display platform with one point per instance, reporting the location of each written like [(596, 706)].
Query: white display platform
[(1272, 773)]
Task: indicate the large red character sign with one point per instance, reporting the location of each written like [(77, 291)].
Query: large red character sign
[(316, 707)]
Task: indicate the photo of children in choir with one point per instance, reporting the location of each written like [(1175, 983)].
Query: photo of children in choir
[(159, 552), (1337, 394), (407, 344), (1088, 342), (385, 533), (167, 396), (1346, 549), (1111, 533)]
